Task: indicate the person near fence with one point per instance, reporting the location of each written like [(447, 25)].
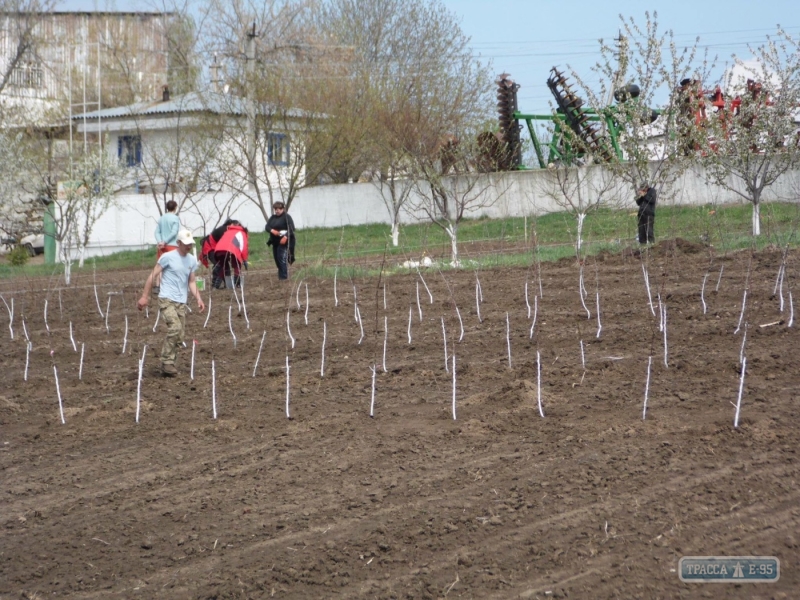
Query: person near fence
[(646, 199), (176, 270), (282, 238), (230, 255)]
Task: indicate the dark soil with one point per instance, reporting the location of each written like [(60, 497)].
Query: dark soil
[(589, 502)]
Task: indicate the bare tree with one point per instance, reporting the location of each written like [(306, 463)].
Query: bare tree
[(753, 141), (450, 189), (580, 191), (642, 144), (79, 203)]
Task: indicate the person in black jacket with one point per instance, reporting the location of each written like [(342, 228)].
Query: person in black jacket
[(646, 199), (282, 239)]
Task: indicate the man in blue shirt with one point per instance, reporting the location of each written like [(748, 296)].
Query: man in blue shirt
[(176, 271)]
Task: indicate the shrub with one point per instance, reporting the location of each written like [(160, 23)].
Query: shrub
[(19, 256)]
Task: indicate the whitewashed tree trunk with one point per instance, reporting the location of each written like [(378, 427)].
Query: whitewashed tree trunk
[(395, 233), (757, 218), (579, 241), (82, 255), (452, 232)]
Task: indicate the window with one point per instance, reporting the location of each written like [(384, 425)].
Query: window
[(129, 150), (278, 149), (27, 75)]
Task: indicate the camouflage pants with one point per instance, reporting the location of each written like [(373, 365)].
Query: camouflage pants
[(174, 315)]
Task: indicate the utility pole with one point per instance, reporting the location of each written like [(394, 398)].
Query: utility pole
[(251, 106)]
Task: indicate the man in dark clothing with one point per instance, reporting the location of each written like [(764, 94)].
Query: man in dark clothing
[(281, 237), (646, 199)]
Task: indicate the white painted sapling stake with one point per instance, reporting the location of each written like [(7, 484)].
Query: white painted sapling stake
[(664, 319), (213, 389), (244, 306), (384, 296), (660, 314), (741, 389), (297, 296), (230, 324), (289, 328), (324, 339), (460, 324), (97, 301), (703, 294), (647, 387), (355, 304), (360, 325), (47, 327), (80, 367), (108, 310), (647, 285), (71, 338), (158, 316), (599, 325), (581, 294), (527, 300), (791, 309), (139, 384), (236, 297), (125, 337), (741, 349), (478, 302), (427, 289), (480, 287), (385, 339), (258, 356), (305, 316), (741, 315), (535, 314), (419, 306), (508, 339), (721, 269), (191, 370), (454, 387), (208, 314), (583, 357), (539, 383), (58, 393), (335, 295), (783, 269), (409, 324), (288, 416), (27, 359), (444, 339), (372, 398), (778, 279), (10, 315), (25, 331)]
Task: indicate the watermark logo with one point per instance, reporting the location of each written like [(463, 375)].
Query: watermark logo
[(730, 569)]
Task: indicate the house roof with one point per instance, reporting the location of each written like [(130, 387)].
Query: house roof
[(193, 102)]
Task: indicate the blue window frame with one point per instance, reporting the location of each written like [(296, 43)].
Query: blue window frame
[(278, 149), (129, 150)]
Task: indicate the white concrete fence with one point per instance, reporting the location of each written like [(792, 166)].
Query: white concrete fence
[(130, 224)]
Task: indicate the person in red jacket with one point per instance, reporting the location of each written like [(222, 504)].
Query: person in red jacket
[(230, 254), (208, 246)]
